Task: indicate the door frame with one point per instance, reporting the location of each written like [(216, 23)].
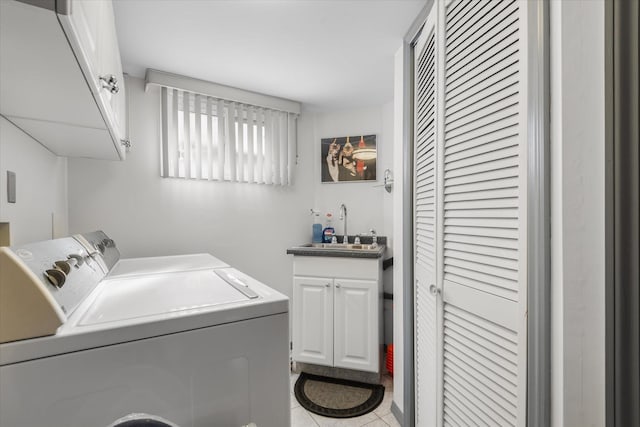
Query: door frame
[(622, 212), (538, 232), (539, 218)]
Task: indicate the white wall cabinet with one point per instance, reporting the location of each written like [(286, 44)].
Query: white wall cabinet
[(61, 77), (92, 32), (337, 319)]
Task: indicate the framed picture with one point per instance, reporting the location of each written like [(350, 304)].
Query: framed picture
[(349, 158)]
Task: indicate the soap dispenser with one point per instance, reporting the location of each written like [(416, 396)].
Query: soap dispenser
[(329, 232), (317, 227)]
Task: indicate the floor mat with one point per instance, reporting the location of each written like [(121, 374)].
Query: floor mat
[(337, 398)]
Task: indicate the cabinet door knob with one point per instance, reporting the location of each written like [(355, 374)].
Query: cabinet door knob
[(327, 285), (338, 285), (434, 290), (109, 79), (110, 83)]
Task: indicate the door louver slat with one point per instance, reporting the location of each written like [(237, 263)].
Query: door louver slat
[(484, 25), (481, 257), (494, 193), (493, 165), (507, 172), (505, 253), (487, 354), (481, 282), (491, 120), (484, 398), (472, 59), (473, 11), (464, 397), (484, 241), (458, 10), (483, 213), (507, 389), (490, 82), (491, 134), (497, 101), (499, 183)]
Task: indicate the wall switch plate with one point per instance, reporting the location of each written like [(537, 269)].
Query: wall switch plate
[(11, 187)]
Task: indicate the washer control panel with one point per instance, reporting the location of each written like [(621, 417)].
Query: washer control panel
[(103, 248), (70, 267)]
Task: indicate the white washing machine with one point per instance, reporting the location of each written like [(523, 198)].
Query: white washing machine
[(89, 340)]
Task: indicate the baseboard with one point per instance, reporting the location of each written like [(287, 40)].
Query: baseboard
[(397, 413)]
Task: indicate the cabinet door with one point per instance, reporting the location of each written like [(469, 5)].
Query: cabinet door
[(85, 21), (313, 320), (356, 324), (110, 65), (90, 29)]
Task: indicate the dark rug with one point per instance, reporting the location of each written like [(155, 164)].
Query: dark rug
[(337, 398)]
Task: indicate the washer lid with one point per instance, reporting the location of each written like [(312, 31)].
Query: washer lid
[(165, 264), (169, 294)]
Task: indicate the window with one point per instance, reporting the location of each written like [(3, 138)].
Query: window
[(210, 138)]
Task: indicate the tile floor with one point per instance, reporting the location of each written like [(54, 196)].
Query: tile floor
[(380, 417)]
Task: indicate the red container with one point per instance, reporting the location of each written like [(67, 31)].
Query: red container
[(390, 359)]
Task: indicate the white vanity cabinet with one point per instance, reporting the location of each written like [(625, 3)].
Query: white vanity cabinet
[(337, 312), (61, 78)]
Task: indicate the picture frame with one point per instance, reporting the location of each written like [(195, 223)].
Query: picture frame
[(349, 159)]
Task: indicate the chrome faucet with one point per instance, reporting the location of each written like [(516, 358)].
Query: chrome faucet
[(343, 216)]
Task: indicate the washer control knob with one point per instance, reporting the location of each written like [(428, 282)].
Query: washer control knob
[(64, 266), (55, 277), (79, 259)]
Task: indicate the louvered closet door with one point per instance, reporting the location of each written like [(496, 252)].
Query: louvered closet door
[(484, 287), (425, 226)]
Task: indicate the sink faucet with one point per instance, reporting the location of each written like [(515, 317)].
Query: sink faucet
[(343, 216)]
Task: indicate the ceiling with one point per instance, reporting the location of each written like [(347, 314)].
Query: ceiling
[(327, 54)]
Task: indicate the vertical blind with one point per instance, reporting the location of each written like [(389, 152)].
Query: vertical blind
[(213, 139)]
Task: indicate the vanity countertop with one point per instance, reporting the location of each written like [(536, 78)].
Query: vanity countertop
[(363, 250)]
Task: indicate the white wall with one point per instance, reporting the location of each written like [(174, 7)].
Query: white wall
[(40, 211), (249, 226), (368, 204), (365, 201), (577, 217)]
